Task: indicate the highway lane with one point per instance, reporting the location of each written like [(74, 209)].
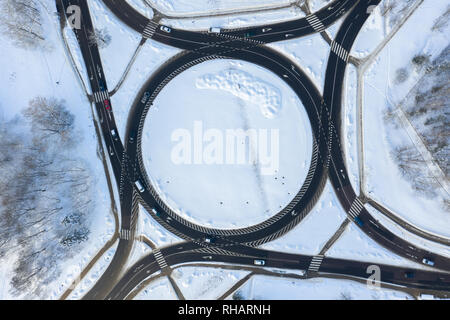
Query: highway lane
[(311, 24), (115, 149), (333, 90), (243, 255), (97, 83)]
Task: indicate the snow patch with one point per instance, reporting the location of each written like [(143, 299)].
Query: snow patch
[(245, 86)]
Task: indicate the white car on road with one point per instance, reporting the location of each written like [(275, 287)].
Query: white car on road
[(258, 262), (166, 29), (139, 185)]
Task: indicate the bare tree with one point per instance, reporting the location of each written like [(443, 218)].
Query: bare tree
[(413, 167), (345, 295), (22, 22), (99, 37), (45, 195), (51, 117), (442, 21)]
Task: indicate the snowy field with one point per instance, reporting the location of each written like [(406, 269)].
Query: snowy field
[(198, 172), (314, 289), (195, 283), (349, 115), (183, 7), (160, 289), (310, 54), (310, 235), (46, 72), (205, 283), (157, 234), (123, 43), (316, 5), (383, 93), (142, 7), (223, 95), (236, 20), (84, 285), (356, 245)]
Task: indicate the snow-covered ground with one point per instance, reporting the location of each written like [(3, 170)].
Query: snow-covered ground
[(142, 7), (356, 245), (82, 286), (231, 95), (310, 53), (237, 20), (316, 5), (148, 227), (314, 289), (371, 35), (205, 283), (189, 157), (317, 227), (159, 289), (183, 7), (383, 92), (25, 75), (149, 59), (350, 126), (123, 41)]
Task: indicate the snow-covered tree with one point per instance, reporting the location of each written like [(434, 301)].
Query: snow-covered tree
[(21, 21), (99, 37), (45, 195)]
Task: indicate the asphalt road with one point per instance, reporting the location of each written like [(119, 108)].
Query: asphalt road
[(314, 23), (333, 90), (246, 256), (112, 142), (325, 117)]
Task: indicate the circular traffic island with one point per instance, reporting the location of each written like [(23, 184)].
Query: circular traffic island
[(227, 144), (224, 148)]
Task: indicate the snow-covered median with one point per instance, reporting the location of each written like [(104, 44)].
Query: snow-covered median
[(184, 7)]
